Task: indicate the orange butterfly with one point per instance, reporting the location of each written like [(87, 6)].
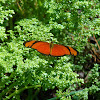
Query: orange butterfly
[(50, 48)]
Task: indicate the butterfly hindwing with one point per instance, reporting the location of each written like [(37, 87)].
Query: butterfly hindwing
[(59, 50)]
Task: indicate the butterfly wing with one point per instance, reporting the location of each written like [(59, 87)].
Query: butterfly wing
[(42, 47), (29, 43), (60, 50), (72, 51)]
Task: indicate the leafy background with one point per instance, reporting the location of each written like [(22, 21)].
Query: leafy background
[(25, 74)]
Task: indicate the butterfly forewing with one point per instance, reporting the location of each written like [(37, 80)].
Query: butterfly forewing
[(73, 51), (29, 43)]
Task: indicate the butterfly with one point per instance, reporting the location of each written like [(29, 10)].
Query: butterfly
[(50, 48)]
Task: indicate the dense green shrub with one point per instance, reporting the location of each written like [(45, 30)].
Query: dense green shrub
[(24, 71)]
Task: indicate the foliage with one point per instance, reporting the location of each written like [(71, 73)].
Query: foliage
[(64, 22)]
